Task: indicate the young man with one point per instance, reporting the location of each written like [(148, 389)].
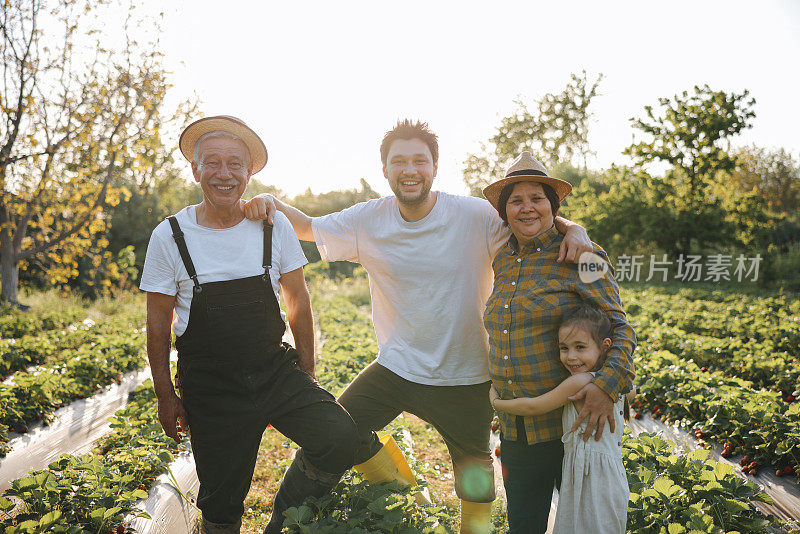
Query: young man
[(221, 274), (429, 259)]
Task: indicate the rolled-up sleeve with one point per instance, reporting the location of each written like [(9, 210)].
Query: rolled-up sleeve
[(159, 271), (336, 234), (616, 375)]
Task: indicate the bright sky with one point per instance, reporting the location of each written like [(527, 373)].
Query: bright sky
[(322, 81)]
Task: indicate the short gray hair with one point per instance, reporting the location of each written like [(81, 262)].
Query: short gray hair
[(213, 135)]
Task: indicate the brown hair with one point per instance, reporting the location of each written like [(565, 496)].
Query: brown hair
[(596, 322), (505, 194), (405, 129)]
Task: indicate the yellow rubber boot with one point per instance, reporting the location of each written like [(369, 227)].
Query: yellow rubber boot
[(475, 517), (389, 464)]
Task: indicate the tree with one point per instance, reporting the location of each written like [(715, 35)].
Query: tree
[(631, 212), (692, 135), (73, 110), (325, 203), (775, 174), (156, 185), (556, 134)]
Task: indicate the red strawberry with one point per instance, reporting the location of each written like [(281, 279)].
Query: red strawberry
[(744, 461), (637, 415), (778, 473), (121, 529), (497, 451)]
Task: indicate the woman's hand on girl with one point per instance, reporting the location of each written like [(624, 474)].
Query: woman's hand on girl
[(598, 407), (493, 395)]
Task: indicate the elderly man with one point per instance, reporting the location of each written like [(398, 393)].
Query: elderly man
[(429, 259), (220, 273)]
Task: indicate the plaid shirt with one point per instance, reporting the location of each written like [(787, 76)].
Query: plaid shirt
[(530, 291)]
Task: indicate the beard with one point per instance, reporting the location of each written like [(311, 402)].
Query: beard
[(411, 199)]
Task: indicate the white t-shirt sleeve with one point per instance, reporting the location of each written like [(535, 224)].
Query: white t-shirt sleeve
[(290, 255), (336, 234), (497, 234), (159, 271)]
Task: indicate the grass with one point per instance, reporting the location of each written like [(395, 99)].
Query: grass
[(274, 457), (127, 306)]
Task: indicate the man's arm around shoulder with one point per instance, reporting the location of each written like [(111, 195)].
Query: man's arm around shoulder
[(576, 241), (263, 206), (159, 321)]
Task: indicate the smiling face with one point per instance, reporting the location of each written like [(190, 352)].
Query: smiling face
[(578, 350), (221, 170), (410, 170), (528, 211)]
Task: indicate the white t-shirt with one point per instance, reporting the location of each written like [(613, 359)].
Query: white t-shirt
[(217, 254), (429, 281)]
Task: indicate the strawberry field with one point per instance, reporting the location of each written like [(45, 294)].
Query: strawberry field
[(725, 365), (722, 365)]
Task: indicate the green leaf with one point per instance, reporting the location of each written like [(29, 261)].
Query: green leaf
[(701, 522), (734, 507), (49, 519), (111, 512), (666, 488), (6, 504), (298, 516)]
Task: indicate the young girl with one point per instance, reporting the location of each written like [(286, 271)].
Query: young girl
[(594, 487)]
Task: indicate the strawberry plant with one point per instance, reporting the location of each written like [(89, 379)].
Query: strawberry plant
[(29, 350), (15, 323), (721, 314), (756, 423), (687, 492), (29, 397), (95, 492), (757, 361)]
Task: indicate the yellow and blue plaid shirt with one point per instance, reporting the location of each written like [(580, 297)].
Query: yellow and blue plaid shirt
[(531, 290)]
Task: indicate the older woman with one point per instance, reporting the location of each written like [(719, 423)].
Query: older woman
[(530, 291)]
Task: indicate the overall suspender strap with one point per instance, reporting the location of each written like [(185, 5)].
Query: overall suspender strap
[(177, 235), (267, 261)]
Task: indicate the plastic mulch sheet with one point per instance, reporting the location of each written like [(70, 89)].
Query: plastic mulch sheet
[(171, 513), (75, 429)]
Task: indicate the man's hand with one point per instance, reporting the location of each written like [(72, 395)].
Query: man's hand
[(299, 317), (576, 242), (172, 416), (259, 208), (493, 395), (597, 407)]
